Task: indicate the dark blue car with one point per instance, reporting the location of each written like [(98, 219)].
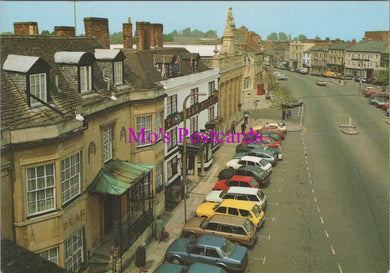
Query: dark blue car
[(194, 268), (208, 249)]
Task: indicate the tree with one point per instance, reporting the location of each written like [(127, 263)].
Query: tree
[(382, 77), (270, 82), (168, 38), (7, 33), (46, 33), (289, 37), (174, 33), (116, 38), (280, 97), (283, 36), (211, 34), (187, 31), (317, 38), (302, 37), (197, 33), (273, 37)]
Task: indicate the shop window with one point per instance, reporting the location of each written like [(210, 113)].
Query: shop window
[(74, 252), (51, 255)]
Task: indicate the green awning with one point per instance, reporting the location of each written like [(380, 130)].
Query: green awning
[(118, 176)]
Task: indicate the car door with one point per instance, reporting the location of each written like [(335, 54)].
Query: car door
[(196, 254), (211, 256), (211, 228)]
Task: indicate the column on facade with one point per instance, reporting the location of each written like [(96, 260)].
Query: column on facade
[(202, 163)]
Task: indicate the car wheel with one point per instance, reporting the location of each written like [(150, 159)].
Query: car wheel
[(175, 260), (223, 267), (191, 236)]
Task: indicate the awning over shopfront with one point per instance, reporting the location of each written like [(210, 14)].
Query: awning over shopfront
[(118, 176)]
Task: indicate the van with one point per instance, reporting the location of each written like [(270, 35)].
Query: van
[(304, 70), (239, 208), (236, 229), (239, 193)]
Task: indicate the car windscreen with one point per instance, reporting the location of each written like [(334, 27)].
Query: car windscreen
[(254, 183), (249, 226), (256, 210), (261, 195), (263, 162), (228, 248)]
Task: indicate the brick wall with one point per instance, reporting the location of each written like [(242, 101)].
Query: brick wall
[(26, 28), (97, 27), (65, 31), (142, 34), (128, 34), (377, 35)]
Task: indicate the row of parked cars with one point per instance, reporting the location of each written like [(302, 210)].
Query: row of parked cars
[(226, 223), (378, 97)]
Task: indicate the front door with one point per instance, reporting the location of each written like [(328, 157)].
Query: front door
[(108, 215)]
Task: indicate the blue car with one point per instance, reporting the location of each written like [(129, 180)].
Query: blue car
[(208, 249), (194, 268)]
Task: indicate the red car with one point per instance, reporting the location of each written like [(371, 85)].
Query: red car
[(385, 106), (369, 91), (270, 142), (236, 181)]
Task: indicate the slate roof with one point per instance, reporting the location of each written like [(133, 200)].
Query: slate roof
[(142, 62), (68, 57), (17, 259), (369, 46), (340, 45), (15, 112)]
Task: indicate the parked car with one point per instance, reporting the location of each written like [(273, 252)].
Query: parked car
[(240, 208), (239, 193), (282, 77), (270, 158), (208, 249), (266, 144), (346, 77), (369, 91), (304, 70), (251, 161), (378, 101), (279, 125), (236, 181), (271, 134), (194, 268), (237, 229), (321, 83), (270, 142), (329, 74), (385, 106), (274, 130), (262, 177)]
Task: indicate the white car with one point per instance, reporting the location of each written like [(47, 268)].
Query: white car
[(279, 125), (250, 161), (239, 193)]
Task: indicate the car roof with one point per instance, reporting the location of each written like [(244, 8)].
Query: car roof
[(241, 178), (243, 190), (249, 168), (251, 158), (227, 219), (239, 204), (210, 240), (201, 267)]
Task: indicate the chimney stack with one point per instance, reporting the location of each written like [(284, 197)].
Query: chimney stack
[(97, 27), (128, 34), (65, 31), (26, 28), (158, 35), (142, 34)]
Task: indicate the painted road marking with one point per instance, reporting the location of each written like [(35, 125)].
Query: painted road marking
[(334, 253), (315, 199), (326, 234), (312, 190), (310, 182), (309, 175), (261, 259), (276, 204), (341, 271), (270, 219), (322, 220), (266, 236), (318, 209)]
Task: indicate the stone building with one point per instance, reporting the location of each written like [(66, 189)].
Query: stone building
[(72, 184), (336, 56)]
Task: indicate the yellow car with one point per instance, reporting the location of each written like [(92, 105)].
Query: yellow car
[(279, 126), (239, 208), (329, 74)]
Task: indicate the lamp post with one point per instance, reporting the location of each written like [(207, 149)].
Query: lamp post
[(184, 157)]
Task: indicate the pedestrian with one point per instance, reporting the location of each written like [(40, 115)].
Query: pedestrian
[(233, 127), (160, 228), (246, 116), (140, 258), (243, 127)]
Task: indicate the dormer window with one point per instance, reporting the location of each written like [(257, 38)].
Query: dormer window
[(79, 63), (111, 62), (38, 88), (85, 79), (118, 73), (31, 75)]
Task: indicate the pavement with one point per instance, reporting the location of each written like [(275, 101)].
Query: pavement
[(174, 220)]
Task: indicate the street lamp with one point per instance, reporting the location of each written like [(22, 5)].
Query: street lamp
[(184, 158)]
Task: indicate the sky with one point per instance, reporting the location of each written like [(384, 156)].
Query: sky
[(345, 20)]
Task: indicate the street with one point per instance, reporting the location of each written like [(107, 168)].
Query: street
[(328, 203)]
